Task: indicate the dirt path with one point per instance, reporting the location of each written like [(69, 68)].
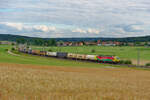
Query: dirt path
[(13, 53)]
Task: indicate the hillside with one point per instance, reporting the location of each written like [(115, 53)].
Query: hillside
[(8, 37)]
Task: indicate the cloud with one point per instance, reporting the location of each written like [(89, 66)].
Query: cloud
[(79, 30), (21, 27), (18, 26), (74, 18), (44, 28), (93, 31), (132, 28), (88, 31), (47, 30)]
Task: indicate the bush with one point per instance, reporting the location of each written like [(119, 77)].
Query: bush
[(28, 47), (6, 49), (13, 44), (12, 49), (128, 62), (93, 50), (121, 62), (148, 64), (50, 50)]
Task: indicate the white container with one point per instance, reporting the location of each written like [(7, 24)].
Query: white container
[(91, 57), (51, 54), (71, 55), (81, 56)]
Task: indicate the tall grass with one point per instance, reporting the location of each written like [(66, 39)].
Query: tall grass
[(27, 82)]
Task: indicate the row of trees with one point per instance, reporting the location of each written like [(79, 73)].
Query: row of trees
[(39, 42), (52, 42)]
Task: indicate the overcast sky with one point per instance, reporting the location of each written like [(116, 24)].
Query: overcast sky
[(75, 18)]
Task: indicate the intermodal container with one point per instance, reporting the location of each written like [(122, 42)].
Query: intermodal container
[(71, 55), (91, 57), (53, 54), (62, 55), (80, 56)]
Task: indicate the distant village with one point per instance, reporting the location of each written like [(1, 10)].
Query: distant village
[(90, 43), (7, 43), (103, 43)]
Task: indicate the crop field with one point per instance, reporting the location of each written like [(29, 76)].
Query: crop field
[(27, 77), (128, 53), (32, 82)]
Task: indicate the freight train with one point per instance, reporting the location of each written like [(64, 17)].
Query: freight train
[(65, 55)]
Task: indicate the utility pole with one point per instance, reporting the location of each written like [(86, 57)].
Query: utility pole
[(76, 52), (43, 47), (138, 57)]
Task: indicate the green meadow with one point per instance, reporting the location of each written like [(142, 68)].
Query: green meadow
[(129, 53), (123, 52), (5, 57)]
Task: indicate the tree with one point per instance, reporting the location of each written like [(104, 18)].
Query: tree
[(137, 43), (12, 43), (60, 43), (52, 42), (39, 42), (146, 44), (21, 41)]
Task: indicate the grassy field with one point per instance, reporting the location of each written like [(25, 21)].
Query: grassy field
[(37, 60), (129, 53)]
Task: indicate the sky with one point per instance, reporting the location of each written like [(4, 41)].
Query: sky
[(75, 18)]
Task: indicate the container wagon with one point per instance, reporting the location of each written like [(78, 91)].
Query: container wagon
[(62, 54)]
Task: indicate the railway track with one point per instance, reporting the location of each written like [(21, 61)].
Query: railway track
[(79, 60)]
